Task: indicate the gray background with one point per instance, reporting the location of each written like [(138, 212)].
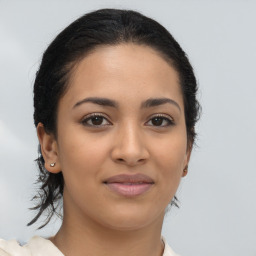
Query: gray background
[(218, 207)]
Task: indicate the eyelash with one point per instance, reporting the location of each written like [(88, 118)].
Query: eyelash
[(163, 118), (94, 115)]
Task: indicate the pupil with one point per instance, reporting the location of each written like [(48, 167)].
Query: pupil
[(97, 120), (157, 121)]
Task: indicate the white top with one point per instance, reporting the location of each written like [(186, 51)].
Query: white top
[(38, 246)]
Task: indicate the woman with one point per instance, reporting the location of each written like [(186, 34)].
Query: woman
[(115, 111)]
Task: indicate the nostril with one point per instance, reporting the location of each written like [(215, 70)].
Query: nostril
[(130, 162)]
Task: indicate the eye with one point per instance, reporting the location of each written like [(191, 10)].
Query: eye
[(161, 121), (96, 120)]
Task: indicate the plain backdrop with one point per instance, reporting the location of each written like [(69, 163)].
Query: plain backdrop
[(217, 214)]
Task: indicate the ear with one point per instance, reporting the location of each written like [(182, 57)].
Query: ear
[(186, 160), (49, 149)]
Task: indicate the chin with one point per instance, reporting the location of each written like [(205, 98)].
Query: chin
[(131, 219)]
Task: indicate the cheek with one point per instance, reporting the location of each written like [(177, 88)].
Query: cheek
[(80, 148), (82, 157), (170, 159), (81, 161), (171, 152)]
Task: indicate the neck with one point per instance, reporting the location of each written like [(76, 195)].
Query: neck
[(86, 237)]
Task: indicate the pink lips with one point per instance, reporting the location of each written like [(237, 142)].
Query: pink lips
[(129, 185)]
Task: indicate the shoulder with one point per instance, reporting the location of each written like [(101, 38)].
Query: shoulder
[(12, 247), (168, 250), (37, 246)]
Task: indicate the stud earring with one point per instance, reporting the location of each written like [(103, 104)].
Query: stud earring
[(52, 164), (185, 169)]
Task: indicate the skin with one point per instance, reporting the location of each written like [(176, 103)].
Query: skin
[(128, 141)]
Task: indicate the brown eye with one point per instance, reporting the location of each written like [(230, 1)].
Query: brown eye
[(157, 121), (160, 121), (95, 120)]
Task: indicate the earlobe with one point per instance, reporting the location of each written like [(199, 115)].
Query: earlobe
[(49, 149), (185, 169)]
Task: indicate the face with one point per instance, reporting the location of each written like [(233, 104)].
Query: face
[(122, 142)]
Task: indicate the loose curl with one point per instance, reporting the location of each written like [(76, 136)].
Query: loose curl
[(95, 29)]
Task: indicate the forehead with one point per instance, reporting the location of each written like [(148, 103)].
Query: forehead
[(130, 69)]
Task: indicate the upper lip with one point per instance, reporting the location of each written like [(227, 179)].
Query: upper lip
[(128, 178)]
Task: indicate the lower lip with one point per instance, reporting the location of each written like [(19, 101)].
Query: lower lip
[(129, 190)]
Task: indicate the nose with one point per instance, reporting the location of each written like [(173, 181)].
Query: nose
[(130, 146)]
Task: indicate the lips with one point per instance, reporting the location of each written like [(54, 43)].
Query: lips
[(129, 185)]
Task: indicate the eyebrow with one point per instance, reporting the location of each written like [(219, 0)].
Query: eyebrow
[(98, 101), (152, 102)]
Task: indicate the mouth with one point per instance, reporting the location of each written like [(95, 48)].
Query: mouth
[(129, 185)]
